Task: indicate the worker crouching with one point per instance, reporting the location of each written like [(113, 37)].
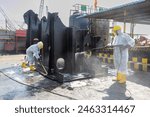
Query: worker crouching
[(32, 53), (121, 43)]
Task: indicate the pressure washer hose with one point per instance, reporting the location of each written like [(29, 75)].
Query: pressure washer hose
[(37, 87), (45, 73), (41, 88)]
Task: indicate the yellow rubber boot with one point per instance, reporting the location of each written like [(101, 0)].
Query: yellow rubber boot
[(117, 78), (123, 78), (24, 65), (32, 68)]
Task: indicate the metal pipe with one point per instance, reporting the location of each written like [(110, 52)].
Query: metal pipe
[(125, 14)]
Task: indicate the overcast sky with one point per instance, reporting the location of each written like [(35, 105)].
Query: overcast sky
[(16, 8)]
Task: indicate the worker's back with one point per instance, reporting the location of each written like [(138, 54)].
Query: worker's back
[(32, 48)]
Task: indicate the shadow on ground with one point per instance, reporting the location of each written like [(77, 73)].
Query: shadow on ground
[(116, 92)]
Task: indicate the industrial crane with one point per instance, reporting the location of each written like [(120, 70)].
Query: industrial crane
[(41, 9), (9, 24)]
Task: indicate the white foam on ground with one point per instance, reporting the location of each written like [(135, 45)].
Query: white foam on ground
[(31, 75), (10, 72), (77, 84)]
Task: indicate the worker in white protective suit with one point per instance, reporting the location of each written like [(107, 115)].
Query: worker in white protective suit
[(121, 43), (32, 53)]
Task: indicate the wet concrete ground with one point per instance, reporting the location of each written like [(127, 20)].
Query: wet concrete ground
[(33, 86)]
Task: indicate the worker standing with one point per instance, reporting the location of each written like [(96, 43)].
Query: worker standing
[(121, 43), (32, 53)]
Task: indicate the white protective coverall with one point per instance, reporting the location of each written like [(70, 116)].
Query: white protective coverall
[(31, 52), (122, 42)]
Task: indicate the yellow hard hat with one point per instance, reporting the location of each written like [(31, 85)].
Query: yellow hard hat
[(116, 28), (40, 45)]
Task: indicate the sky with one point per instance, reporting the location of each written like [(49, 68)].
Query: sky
[(16, 8)]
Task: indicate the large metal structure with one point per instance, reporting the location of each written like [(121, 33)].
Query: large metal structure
[(62, 45)]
